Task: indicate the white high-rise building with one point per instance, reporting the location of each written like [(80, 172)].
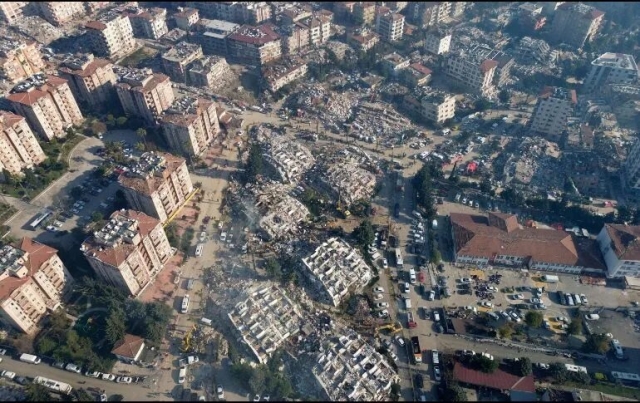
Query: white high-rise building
[(611, 68), (552, 111)]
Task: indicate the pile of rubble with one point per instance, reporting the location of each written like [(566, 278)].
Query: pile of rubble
[(282, 214), (289, 159), (535, 164), (39, 29)]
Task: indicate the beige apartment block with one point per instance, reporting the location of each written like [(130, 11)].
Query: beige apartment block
[(364, 13), (190, 125), (389, 25), (295, 37), (186, 18), (11, 11), (254, 45), (241, 12), (438, 107), (575, 24), (437, 42), (150, 24), (280, 73), (19, 60), (59, 13), (111, 35), (158, 184), (208, 71), (319, 29), (473, 74), (429, 13), (48, 104), (33, 281), (91, 80), (555, 106), (176, 60), (296, 13), (19, 147), (129, 251), (363, 39), (143, 93)]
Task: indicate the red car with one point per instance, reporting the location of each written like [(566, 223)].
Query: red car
[(421, 277)]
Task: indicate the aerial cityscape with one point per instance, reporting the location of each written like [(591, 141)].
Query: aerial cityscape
[(319, 201)]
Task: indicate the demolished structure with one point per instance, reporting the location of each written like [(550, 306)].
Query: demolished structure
[(349, 182)]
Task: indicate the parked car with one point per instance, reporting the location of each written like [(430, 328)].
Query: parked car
[(400, 341), (124, 379), (220, 391), (378, 289), (380, 305), (108, 377)]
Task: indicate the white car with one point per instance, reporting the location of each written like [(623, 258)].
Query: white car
[(51, 228), (377, 297), (378, 289), (504, 314), (385, 263), (393, 356), (486, 304), (518, 296), (535, 300), (8, 374), (468, 352), (541, 365), (108, 377), (560, 319), (492, 289), (592, 316), (124, 379), (400, 341), (584, 299), (382, 305), (465, 280), (104, 397), (220, 391), (92, 374), (383, 314)]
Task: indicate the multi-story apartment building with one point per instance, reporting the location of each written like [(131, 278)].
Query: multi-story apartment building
[(475, 75), (437, 106), (94, 6), (33, 281), (503, 68), (437, 42), (393, 63), (91, 80), (48, 104), (282, 72), (295, 37), (429, 13), (364, 13), (389, 25), (611, 68), (208, 71), (158, 185), (129, 251), (254, 46), (212, 36), (143, 93), (296, 13), (241, 12), (151, 23), (186, 18), (19, 148), (363, 39), (319, 29), (344, 9), (12, 11), (499, 240), (176, 60), (417, 75), (19, 60), (555, 106), (631, 171), (111, 35), (620, 247), (529, 17), (190, 125), (59, 13), (575, 24)]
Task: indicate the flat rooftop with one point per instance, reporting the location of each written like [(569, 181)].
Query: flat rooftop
[(617, 60), (182, 51), (559, 93), (150, 171), (255, 35)]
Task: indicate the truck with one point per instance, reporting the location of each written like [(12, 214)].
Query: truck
[(399, 262), (417, 351), (53, 385), (550, 279), (30, 358)]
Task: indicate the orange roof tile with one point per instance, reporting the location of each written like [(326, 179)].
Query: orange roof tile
[(129, 346)]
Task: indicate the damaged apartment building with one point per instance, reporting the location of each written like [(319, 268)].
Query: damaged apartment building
[(208, 72), (300, 27), (282, 72), (92, 80), (129, 251), (19, 59), (289, 160), (349, 182), (176, 60), (265, 319), (158, 184), (190, 125), (280, 213), (466, 70), (254, 45), (335, 270), (352, 370), (143, 93)]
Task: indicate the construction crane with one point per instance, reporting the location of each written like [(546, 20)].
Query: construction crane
[(186, 341)]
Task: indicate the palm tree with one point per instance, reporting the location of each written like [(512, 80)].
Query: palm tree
[(143, 135)]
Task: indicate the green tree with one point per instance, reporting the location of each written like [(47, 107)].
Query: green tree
[(558, 372), (505, 331), (121, 121), (35, 392), (82, 395), (534, 318), (454, 393), (116, 398), (97, 216), (523, 366), (436, 257), (575, 327), (598, 343), (142, 133), (97, 128), (257, 382), (255, 164), (273, 268), (364, 235), (140, 146), (503, 96), (115, 326), (111, 120)]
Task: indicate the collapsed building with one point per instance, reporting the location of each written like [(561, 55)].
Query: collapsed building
[(290, 160), (281, 213), (282, 72), (351, 369), (349, 182), (335, 269), (265, 320)]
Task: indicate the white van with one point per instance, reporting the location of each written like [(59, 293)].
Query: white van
[(407, 303), (185, 304), (182, 375), (436, 316), (206, 321), (412, 276), (199, 249)]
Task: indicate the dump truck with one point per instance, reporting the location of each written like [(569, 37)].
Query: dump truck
[(417, 351)]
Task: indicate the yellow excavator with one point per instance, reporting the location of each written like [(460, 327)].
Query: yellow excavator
[(392, 327), (186, 341), (342, 208)]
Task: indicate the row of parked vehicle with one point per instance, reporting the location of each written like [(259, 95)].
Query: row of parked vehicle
[(572, 299)]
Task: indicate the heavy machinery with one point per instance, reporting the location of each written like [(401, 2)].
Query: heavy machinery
[(186, 341), (392, 327), (342, 209)]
